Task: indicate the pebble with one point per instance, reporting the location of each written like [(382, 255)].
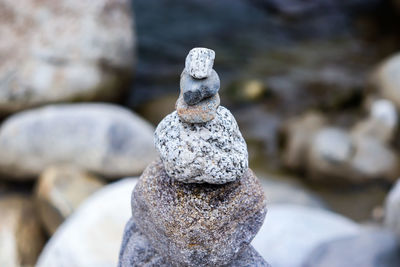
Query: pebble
[(202, 112), (197, 224), (212, 152), (195, 90), (199, 62)]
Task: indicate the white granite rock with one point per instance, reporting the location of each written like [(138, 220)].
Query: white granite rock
[(92, 235), (101, 138), (212, 152), (199, 62)]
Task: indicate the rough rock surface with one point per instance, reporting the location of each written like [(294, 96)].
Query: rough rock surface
[(136, 250), (290, 232), (212, 152), (203, 111), (60, 191), (197, 224), (102, 138), (392, 209), (199, 62), (195, 90), (21, 236), (63, 50), (370, 248), (92, 235)]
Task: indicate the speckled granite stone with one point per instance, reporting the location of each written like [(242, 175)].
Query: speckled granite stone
[(199, 62), (203, 111), (213, 152), (197, 224), (195, 90)]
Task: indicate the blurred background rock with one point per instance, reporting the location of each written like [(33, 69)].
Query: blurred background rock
[(314, 86)]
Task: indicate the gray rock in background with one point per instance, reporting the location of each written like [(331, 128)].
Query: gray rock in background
[(335, 153), (136, 250), (290, 232), (374, 160), (59, 192), (212, 152), (59, 51), (299, 133), (381, 123), (279, 191), (197, 224), (102, 138), (370, 248), (392, 209), (195, 90), (92, 235), (387, 79), (199, 62)]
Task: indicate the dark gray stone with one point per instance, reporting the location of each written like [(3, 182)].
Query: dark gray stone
[(197, 224), (195, 90), (136, 250), (371, 248)]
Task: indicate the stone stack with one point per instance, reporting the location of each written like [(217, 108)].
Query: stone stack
[(199, 204)]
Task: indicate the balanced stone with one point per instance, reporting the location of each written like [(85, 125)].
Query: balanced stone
[(197, 224), (203, 111), (136, 250), (199, 62), (212, 152), (195, 90)]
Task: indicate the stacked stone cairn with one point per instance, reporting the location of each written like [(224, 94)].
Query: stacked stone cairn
[(199, 204)]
